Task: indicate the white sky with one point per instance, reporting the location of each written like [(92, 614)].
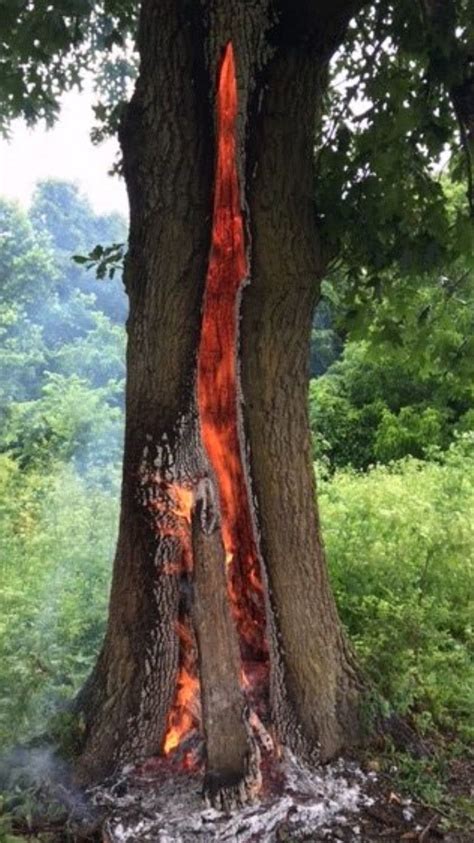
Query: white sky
[(63, 152)]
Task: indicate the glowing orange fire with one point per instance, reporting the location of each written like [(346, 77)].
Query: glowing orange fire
[(217, 390), (217, 372), (171, 507), (183, 716)]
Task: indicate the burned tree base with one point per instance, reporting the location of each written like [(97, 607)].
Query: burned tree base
[(233, 776), (232, 792), (295, 803)]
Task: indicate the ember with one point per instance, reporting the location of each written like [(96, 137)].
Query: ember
[(217, 391), (184, 715), (217, 385)]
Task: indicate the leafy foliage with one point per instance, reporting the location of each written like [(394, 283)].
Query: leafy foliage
[(49, 48), (57, 539), (400, 545), (367, 409), (388, 122), (106, 260), (425, 316), (404, 382), (62, 357)]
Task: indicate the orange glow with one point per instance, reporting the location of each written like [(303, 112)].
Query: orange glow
[(183, 502), (184, 715), (217, 390), (217, 381), (172, 509)]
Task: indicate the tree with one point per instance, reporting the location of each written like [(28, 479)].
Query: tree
[(205, 473), (60, 212)]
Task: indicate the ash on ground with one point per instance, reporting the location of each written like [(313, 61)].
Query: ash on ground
[(297, 803)]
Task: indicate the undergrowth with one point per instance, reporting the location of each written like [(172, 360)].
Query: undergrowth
[(400, 544), (57, 536)]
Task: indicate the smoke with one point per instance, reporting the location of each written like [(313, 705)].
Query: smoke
[(37, 787)]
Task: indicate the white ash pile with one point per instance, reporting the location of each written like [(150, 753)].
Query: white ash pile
[(296, 804)]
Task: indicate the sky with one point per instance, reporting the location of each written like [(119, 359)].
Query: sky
[(63, 152)]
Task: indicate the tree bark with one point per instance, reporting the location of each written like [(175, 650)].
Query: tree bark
[(167, 150), (230, 766), (315, 685), (168, 145)]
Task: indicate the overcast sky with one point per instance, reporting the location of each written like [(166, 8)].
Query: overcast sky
[(64, 152)]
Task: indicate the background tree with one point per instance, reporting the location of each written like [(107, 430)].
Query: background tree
[(62, 347)]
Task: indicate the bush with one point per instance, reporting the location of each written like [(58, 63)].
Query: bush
[(400, 544), (57, 539), (365, 410), (415, 430)]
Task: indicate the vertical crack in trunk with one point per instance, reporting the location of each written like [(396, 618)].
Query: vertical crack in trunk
[(227, 603), (217, 382)]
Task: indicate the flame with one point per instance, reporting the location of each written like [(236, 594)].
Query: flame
[(183, 717), (171, 509), (181, 720), (183, 502), (217, 391), (217, 380)]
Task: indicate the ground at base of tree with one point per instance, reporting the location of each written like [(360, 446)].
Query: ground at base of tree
[(357, 799)]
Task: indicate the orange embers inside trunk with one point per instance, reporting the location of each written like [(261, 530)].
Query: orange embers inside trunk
[(183, 718), (218, 403), (173, 508), (217, 384)]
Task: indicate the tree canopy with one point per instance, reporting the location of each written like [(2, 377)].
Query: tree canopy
[(61, 331), (398, 114)]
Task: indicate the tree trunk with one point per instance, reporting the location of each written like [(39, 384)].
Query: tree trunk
[(316, 680), (229, 755), (168, 141)]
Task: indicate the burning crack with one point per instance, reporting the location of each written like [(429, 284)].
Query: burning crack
[(203, 520)]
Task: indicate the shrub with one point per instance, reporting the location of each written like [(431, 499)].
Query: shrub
[(57, 540), (400, 544)]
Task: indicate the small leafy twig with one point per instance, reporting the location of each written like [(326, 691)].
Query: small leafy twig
[(106, 260)]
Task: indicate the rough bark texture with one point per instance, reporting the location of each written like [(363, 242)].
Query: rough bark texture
[(228, 748), (315, 667), (167, 141)]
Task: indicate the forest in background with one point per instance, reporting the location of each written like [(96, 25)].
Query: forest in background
[(392, 415)]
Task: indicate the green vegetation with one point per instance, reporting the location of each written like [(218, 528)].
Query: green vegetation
[(365, 410), (61, 421), (398, 378), (393, 441), (58, 531), (400, 542)]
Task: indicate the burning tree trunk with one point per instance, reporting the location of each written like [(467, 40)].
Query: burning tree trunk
[(232, 761), (218, 530)]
